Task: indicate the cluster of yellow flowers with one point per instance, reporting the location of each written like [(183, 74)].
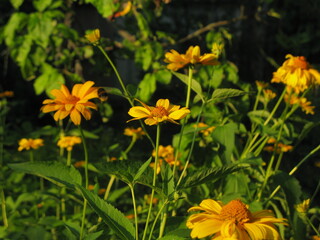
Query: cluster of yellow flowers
[(278, 147), (30, 143), (68, 142), (165, 153)]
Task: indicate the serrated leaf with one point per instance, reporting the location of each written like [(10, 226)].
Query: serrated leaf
[(168, 181), (115, 219), (55, 172), (205, 175), (223, 93), (195, 86)]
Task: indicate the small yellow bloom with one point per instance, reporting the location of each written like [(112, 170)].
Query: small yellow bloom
[(126, 8), (165, 153), (296, 73), (27, 144), (303, 103), (207, 131), (162, 112), (217, 49), (134, 132), (269, 94), (315, 238), (261, 85), (280, 147), (74, 104), (68, 142), (303, 207), (94, 36), (232, 221), (192, 56), (6, 94)]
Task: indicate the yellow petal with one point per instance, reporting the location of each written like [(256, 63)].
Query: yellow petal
[(139, 112), (151, 121), (75, 117), (206, 228), (163, 103), (179, 114), (84, 89)]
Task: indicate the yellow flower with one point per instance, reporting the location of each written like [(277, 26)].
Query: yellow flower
[(192, 56), (315, 238), (303, 207), (281, 147), (269, 94), (296, 73), (74, 103), (93, 36), (126, 9), (29, 143), (207, 131), (134, 132), (261, 85), (165, 154), (304, 104), (6, 94), (217, 49), (68, 142), (232, 221), (162, 112)]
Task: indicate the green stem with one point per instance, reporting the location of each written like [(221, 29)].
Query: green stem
[(108, 189), (3, 208), (312, 226), (133, 141), (189, 86), (153, 181), (86, 180), (295, 169), (156, 219), (275, 107), (135, 210), (69, 158), (31, 156)]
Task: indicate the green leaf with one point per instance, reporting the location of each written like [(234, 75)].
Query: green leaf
[(16, 3), (55, 172), (205, 175), (16, 22), (163, 76), (147, 87), (114, 91), (115, 219), (223, 93), (168, 181), (41, 5), (105, 7), (142, 169), (225, 135), (195, 86)]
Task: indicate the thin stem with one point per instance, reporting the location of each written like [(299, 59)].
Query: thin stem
[(3, 208), (156, 218), (295, 169), (153, 181), (86, 180), (135, 210), (133, 141), (312, 226), (107, 192), (69, 158), (189, 86), (275, 107)]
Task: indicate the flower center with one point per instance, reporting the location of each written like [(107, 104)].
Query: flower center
[(159, 112), (235, 210), (72, 99), (300, 62)]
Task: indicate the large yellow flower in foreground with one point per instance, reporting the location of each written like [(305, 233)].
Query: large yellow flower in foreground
[(29, 143), (232, 221), (162, 112), (297, 74), (192, 56), (74, 104)]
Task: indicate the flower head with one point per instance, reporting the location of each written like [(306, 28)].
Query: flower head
[(232, 221), (134, 132), (297, 74), (6, 94), (165, 153), (303, 102), (93, 36), (206, 130), (162, 112), (68, 142), (192, 56), (74, 104), (27, 144)]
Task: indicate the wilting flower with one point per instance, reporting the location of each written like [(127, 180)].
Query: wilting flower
[(93, 36), (162, 112), (27, 144), (6, 94), (73, 104), (68, 142), (303, 207), (296, 73), (232, 221), (165, 153), (192, 56), (134, 132), (207, 130), (303, 103)]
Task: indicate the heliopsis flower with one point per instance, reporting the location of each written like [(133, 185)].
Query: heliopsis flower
[(192, 56), (68, 142), (303, 103), (280, 147), (269, 94), (165, 153), (134, 132), (232, 221), (207, 130), (296, 73), (261, 85), (27, 144), (126, 8), (74, 104), (93, 36), (162, 112), (6, 94)]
